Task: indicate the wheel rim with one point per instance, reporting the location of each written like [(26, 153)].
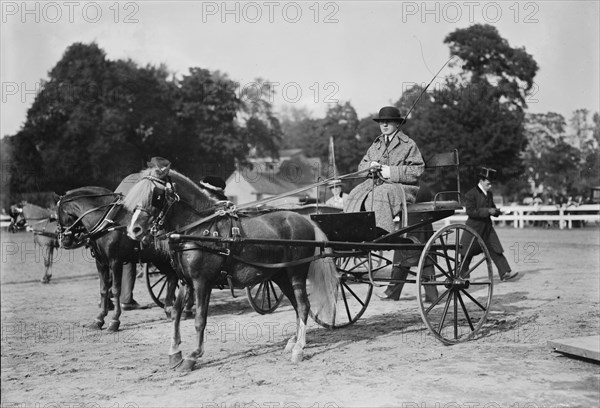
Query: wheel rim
[(352, 293), (156, 282), (464, 299), (264, 297)]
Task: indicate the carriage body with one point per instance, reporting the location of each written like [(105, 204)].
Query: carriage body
[(453, 300)]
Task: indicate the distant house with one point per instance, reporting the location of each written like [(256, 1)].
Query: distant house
[(268, 177)]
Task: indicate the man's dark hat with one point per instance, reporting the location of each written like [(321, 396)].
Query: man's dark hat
[(213, 183), (487, 173), (390, 113)]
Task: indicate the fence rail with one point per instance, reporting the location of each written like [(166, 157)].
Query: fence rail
[(520, 215)]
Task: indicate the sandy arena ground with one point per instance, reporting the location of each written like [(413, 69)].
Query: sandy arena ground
[(387, 359)]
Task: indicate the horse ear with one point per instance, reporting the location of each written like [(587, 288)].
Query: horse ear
[(57, 196)]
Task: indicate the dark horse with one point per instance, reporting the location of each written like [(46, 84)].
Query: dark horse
[(42, 222), (171, 202), (94, 216)]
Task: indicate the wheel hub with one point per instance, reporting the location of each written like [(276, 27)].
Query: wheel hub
[(457, 283)]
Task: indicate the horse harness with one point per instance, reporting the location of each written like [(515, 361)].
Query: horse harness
[(221, 221), (104, 225)]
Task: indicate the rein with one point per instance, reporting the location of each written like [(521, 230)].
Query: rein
[(104, 224)]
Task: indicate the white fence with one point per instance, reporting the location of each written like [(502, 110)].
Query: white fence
[(522, 215)]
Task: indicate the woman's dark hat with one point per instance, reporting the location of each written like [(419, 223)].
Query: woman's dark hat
[(213, 183), (487, 173), (390, 113)]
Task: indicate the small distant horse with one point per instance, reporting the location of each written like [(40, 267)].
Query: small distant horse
[(171, 201), (94, 216), (42, 221)]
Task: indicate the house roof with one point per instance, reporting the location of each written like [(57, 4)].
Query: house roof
[(293, 174)]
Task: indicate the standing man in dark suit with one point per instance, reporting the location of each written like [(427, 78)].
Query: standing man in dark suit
[(479, 204)]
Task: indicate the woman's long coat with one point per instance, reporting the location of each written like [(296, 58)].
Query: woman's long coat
[(477, 206), (406, 166)]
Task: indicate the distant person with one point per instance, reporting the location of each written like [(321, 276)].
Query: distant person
[(396, 163), (338, 198), (480, 207)]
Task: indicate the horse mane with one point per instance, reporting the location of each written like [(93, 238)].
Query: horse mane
[(88, 190), (140, 194)]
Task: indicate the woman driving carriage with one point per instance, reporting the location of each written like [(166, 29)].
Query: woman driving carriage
[(396, 163)]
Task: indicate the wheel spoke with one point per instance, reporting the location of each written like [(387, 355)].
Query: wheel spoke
[(474, 300), (354, 295), (437, 301), (446, 256), (444, 314), (463, 259), (465, 311), (273, 291)]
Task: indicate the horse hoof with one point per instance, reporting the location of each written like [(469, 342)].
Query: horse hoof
[(114, 326), (96, 325), (297, 356), (187, 365), (175, 360)]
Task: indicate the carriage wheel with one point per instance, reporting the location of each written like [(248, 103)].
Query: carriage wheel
[(265, 297), (352, 292), (357, 263), (156, 282), (463, 298)]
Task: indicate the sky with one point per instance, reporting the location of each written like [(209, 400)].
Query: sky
[(314, 53)]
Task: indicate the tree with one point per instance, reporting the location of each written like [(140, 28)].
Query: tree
[(96, 120), (209, 139), (480, 111), (487, 57), (262, 128)]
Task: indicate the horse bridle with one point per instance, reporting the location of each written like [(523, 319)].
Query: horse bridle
[(163, 199), (77, 230)]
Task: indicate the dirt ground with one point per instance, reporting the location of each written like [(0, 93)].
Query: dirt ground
[(387, 359)]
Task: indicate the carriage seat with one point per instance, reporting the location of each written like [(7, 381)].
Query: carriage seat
[(451, 199), (433, 206)]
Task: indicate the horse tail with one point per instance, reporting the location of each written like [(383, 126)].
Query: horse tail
[(324, 283)]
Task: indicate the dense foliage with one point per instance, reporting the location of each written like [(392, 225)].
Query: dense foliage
[(97, 120)]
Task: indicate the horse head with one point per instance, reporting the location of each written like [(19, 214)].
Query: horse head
[(73, 211), (153, 199)]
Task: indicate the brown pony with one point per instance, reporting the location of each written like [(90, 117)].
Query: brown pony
[(172, 202), (94, 216)]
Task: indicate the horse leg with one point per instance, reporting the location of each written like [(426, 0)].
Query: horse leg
[(104, 275), (298, 281), (48, 254), (116, 269), (188, 312), (170, 295), (175, 358), (285, 285), (202, 298)]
